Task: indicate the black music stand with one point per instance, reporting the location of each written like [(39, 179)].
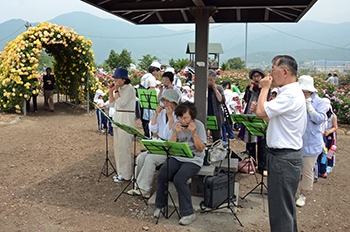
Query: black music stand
[(167, 148), (135, 133), (257, 129), (230, 197), (107, 161)]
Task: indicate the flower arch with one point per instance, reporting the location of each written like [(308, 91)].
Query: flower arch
[(19, 63)]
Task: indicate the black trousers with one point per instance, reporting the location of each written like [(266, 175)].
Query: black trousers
[(35, 105), (261, 161)]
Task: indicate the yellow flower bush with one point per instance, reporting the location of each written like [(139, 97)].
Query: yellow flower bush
[(19, 62)]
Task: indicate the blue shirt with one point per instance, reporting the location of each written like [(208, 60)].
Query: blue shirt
[(312, 138)]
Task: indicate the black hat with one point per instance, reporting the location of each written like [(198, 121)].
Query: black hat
[(256, 70)]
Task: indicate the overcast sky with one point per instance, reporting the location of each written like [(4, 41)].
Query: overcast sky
[(328, 11)]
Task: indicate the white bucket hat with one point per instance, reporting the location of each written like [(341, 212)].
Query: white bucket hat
[(307, 83)]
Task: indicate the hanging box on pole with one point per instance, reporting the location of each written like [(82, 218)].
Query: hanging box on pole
[(216, 189)]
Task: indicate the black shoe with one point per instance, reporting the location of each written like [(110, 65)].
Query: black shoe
[(51, 110)]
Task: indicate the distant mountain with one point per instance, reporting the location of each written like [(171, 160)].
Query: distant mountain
[(264, 40)]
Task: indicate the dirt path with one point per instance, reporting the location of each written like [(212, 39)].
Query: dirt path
[(50, 164)]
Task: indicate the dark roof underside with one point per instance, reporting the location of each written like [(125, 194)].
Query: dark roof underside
[(226, 11)]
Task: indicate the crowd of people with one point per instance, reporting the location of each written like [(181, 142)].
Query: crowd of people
[(301, 128)]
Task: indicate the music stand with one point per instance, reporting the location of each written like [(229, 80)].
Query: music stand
[(135, 133), (148, 101), (107, 161), (148, 98), (212, 124), (167, 148), (229, 198), (242, 118), (257, 129)]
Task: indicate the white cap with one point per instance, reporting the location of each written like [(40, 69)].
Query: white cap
[(186, 88), (155, 64), (158, 82), (274, 90), (234, 94), (170, 69), (100, 92)]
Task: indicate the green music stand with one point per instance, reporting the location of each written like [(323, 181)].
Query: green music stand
[(212, 124), (241, 118), (167, 148), (148, 98), (245, 118), (257, 127)]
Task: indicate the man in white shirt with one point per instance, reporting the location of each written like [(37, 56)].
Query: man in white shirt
[(146, 163), (287, 123)]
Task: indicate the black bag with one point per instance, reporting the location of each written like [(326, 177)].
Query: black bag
[(215, 189)]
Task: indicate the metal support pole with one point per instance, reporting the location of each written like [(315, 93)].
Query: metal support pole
[(24, 107), (88, 93), (246, 44), (201, 63)]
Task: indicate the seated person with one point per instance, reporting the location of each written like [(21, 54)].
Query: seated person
[(182, 168), (146, 163)]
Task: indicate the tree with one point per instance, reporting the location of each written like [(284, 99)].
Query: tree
[(223, 67), (125, 59), (45, 59), (235, 63), (146, 61), (179, 63), (112, 60), (116, 60)]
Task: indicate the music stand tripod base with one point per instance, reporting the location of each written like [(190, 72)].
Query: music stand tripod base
[(107, 161)]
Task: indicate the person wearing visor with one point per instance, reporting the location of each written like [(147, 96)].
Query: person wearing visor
[(146, 163), (122, 98)]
